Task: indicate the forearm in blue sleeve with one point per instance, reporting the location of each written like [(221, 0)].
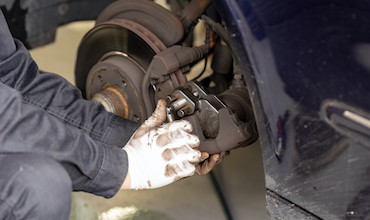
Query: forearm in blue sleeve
[(93, 166), (56, 95)]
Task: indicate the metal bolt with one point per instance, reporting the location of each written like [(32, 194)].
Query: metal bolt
[(181, 113), (184, 111), (136, 118), (169, 99), (170, 117), (178, 104)]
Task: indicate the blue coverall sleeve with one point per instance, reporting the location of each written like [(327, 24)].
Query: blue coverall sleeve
[(56, 95), (93, 166), (44, 114)]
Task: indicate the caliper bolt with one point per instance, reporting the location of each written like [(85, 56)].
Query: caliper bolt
[(178, 104), (184, 111)]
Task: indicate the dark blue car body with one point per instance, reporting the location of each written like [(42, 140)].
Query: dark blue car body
[(310, 63)]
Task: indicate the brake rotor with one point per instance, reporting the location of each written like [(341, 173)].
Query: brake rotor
[(114, 56), (111, 63)]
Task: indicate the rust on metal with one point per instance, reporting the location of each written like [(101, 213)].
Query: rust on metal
[(114, 100)]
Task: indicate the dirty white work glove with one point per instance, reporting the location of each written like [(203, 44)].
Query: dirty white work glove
[(209, 162), (159, 154)]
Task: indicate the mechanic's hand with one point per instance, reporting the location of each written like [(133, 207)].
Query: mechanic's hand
[(161, 154), (209, 162)]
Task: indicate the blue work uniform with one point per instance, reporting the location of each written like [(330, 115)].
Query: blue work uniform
[(52, 141)]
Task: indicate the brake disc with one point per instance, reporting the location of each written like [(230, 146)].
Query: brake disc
[(111, 63), (113, 57)]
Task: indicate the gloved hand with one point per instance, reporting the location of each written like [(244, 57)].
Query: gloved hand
[(161, 154), (209, 162)]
